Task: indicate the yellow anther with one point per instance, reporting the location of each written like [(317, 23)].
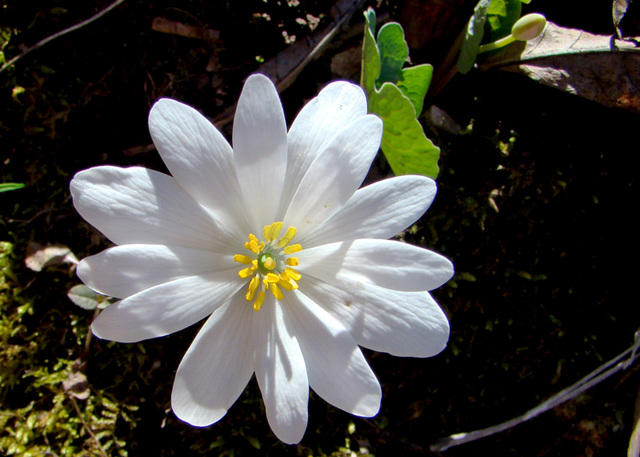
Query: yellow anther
[(271, 232), (253, 287), (252, 246), (276, 227), (288, 236), (275, 290), (268, 233), (285, 284), (293, 274), (242, 259), (292, 248), (259, 301), (292, 261), (272, 278), (245, 272)]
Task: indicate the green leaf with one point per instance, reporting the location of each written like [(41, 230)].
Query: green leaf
[(501, 16), (414, 83), (394, 52), (370, 18), (473, 37), (84, 297), (7, 186), (370, 55), (404, 143)]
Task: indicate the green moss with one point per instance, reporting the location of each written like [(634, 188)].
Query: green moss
[(43, 412)]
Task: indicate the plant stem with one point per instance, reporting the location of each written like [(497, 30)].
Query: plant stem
[(41, 43), (502, 42)]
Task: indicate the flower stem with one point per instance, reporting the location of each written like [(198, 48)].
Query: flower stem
[(502, 42)]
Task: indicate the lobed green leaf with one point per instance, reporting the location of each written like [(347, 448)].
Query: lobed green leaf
[(370, 55), (394, 52), (404, 143), (414, 83), (396, 95)]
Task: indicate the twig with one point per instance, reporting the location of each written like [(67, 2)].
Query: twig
[(73, 28), (87, 428), (600, 374), (285, 66)]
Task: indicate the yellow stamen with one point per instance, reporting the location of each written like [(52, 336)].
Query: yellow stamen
[(245, 272), (292, 261), (285, 284), (253, 287), (259, 301), (253, 246), (276, 227), (293, 274), (271, 232), (275, 290), (272, 278), (292, 248), (242, 259), (268, 233), (288, 236)]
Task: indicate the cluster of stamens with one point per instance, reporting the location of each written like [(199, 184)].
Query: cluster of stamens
[(270, 264)]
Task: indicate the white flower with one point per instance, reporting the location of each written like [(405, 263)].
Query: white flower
[(273, 243)]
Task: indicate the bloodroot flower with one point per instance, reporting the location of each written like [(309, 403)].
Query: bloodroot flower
[(274, 244)]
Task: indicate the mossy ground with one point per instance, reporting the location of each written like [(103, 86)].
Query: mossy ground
[(535, 207)]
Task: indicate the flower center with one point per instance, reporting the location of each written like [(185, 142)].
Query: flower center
[(269, 264)]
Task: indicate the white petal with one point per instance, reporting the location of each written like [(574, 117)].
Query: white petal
[(405, 324), (281, 373), (335, 174), (199, 158), (166, 308), (260, 147), (337, 370), (380, 210), (386, 263), (335, 107), (140, 206), (217, 367), (125, 270)]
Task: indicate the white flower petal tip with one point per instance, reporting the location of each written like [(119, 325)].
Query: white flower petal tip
[(273, 245)]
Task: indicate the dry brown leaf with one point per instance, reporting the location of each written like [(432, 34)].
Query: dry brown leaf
[(39, 257), (163, 25), (76, 385), (596, 67)]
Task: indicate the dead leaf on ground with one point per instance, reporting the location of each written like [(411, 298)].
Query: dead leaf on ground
[(76, 385), (39, 257), (597, 67), (163, 25)]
